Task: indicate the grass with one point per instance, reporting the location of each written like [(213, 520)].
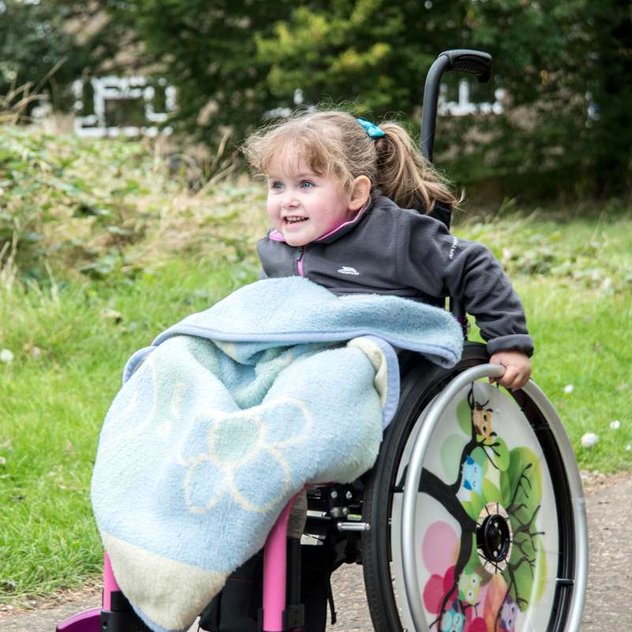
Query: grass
[(52, 402), (70, 336), (574, 276), (583, 364)]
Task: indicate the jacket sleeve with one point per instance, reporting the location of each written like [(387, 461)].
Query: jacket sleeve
[(440, 264)]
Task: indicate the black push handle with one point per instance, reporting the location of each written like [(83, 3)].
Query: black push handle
[(473, 62)]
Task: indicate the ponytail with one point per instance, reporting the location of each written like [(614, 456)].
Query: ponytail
[(405, 176)]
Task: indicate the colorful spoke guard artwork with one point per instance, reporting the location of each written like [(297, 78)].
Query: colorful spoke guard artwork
[(488, 535)]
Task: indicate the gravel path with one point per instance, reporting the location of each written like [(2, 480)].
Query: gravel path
[(609, 508)]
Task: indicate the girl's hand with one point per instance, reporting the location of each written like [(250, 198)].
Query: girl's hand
[(517, 369)]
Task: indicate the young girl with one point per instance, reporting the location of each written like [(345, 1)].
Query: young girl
[(351, 207), (354, 208)]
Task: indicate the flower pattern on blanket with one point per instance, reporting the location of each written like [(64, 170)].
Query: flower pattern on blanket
[(240, 445), (167, 403)]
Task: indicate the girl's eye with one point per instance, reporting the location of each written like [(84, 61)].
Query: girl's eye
[(276, 185), (307, 184)]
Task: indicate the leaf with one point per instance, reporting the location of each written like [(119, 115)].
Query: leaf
[(451, 452), (528, 559), (464, 416), (526, 484), (491, 492)]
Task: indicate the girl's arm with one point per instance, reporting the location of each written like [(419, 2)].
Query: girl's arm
[(440, 264)]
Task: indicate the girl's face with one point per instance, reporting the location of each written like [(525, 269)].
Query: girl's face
[(304, 206)]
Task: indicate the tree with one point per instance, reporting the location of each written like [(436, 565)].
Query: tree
[(564, 64), (36, 53), (207, 50), (569, 63), (369, 52), (609, 146), (560, 62)]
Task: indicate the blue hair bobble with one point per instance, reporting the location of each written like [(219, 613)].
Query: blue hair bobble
[(374, 131)]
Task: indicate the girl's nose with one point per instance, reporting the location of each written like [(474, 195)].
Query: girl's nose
[(289, 200)]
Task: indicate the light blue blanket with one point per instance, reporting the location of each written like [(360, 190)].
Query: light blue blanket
[(229, 414)]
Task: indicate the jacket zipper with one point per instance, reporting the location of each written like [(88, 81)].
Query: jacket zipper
[(299, 260)]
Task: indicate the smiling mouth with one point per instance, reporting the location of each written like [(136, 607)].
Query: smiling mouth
[(294, 220)]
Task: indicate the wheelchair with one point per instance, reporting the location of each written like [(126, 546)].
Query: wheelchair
[(472, 518)]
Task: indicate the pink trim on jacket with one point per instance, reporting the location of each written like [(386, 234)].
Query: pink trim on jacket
[(277, 235), (335, 229)]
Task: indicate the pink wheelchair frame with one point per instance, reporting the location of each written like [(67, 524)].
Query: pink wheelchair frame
[(274, 586)]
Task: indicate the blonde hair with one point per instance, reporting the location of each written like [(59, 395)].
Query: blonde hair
[(334, 143)]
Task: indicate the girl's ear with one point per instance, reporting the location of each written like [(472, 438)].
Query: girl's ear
[(360, 193)]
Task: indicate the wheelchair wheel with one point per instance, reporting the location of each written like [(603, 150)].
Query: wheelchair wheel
[(475, 507)]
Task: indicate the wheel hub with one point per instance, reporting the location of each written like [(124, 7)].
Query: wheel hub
[(494, 537)]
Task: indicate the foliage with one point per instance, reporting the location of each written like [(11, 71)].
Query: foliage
[(102, 208), (37, 51), (66, 201), (593, 258), (573, 83), (565, 67), (365, 52), (208, 51)]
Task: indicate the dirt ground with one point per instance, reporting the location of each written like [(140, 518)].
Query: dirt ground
[(609, 509)]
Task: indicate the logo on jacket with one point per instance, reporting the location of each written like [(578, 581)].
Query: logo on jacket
[(348, 270)]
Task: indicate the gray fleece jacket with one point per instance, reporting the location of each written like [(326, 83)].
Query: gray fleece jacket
[(389, 250)]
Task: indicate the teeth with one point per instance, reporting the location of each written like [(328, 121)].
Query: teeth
[(294, 220)]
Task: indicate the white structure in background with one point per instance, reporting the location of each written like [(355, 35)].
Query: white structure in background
[(464, 105), (137, 95), (298, 99), (126, 106)]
